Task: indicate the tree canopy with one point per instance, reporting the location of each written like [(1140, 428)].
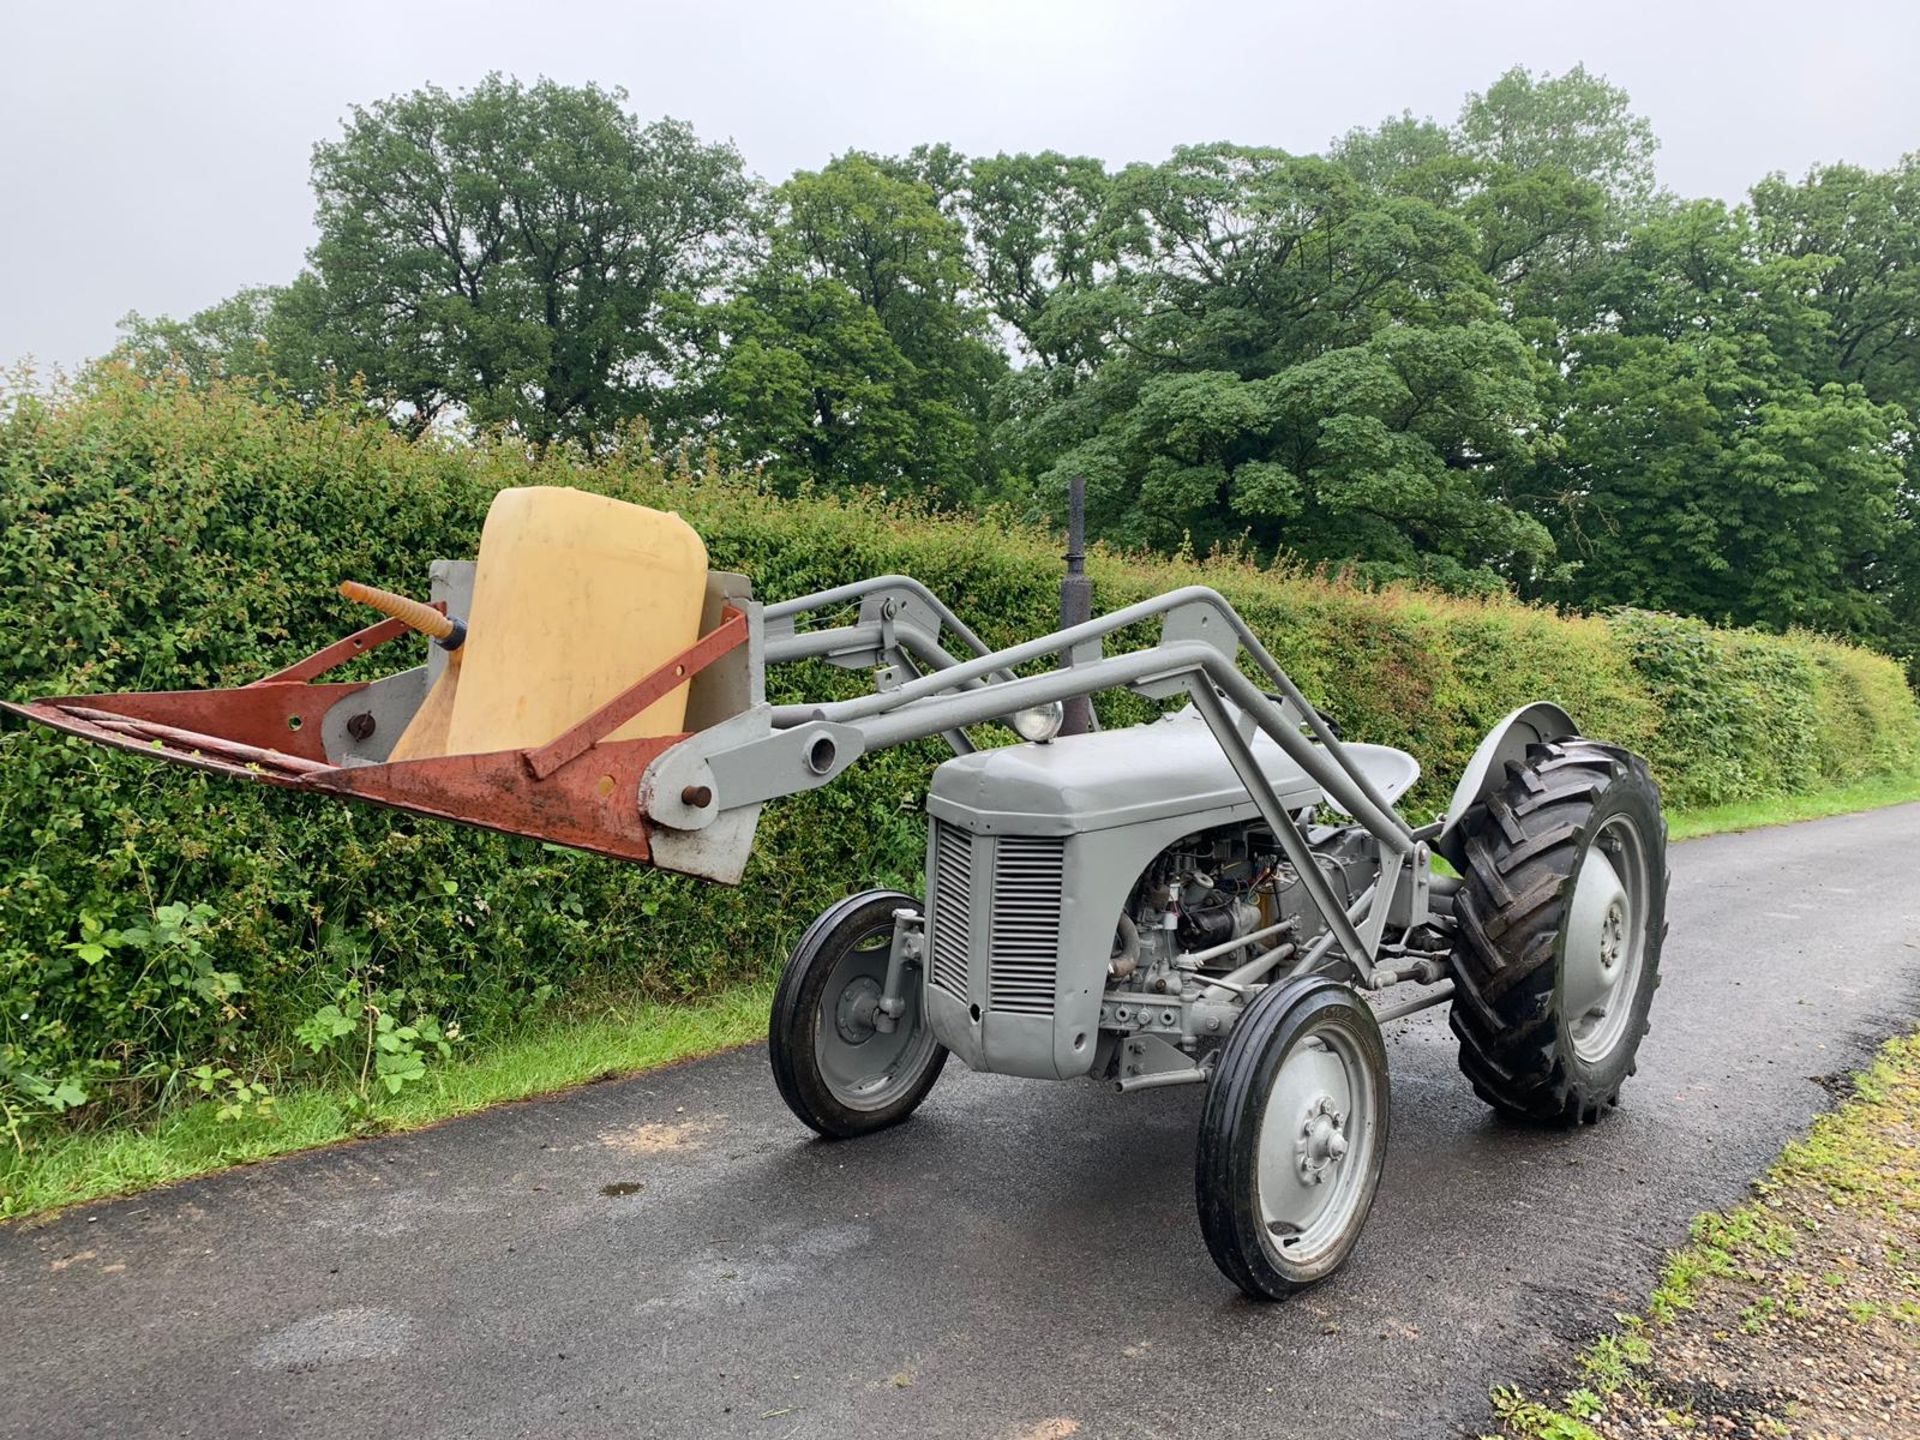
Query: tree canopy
[(1490, 353)]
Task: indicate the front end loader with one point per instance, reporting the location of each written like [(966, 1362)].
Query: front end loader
[(1225, 897)]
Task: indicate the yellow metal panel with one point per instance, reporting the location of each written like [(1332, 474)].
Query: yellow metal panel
[(575, 597), (426, 734)]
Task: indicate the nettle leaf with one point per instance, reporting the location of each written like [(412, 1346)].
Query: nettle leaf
[(396, 1071), (322, 1028)]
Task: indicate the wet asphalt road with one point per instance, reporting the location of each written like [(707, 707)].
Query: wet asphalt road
[(673, 1256)]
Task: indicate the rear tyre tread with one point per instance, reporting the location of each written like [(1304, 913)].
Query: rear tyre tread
[(1522, 847)]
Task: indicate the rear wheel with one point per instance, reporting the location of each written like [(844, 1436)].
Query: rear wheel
[(835, 1066), (1560, 924), (1292, 1137)]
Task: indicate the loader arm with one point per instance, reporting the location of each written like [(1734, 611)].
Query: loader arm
[(690, 801), (787, 749)]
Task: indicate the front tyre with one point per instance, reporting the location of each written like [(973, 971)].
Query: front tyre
[(834, 1066), (1292, 1137), (1560, 923)]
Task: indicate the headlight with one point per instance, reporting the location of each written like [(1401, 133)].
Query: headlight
[(1039, 723)]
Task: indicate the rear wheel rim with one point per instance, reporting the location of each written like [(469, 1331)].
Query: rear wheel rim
[(865, 1067), (1318, 1135), (1606, 940)]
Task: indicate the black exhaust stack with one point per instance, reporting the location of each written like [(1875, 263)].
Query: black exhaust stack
[(1076, 599)]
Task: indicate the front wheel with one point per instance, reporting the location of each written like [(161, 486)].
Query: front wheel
[(1292, 1137), (836, 1068)]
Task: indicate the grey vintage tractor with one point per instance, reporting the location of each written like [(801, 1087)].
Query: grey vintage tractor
[(1225, 897)]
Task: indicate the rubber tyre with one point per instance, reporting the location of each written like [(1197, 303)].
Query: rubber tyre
[(793, 1033), (1524, 845), (1226, 1166)]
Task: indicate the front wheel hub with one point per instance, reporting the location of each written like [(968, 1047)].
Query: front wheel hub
[(854, 1012), (1323, 1140)]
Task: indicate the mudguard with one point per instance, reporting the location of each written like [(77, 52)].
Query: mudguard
[(1532, 724)]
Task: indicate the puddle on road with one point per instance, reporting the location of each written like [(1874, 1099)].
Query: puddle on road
[(623, 1187)]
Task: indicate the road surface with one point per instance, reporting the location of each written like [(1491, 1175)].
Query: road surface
[(672, 1255)]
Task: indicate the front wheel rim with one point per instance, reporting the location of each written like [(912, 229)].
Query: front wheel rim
[(864, 1067), (1318, 1136), (1606, 940)]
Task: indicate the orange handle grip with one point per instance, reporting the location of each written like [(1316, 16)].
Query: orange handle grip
[(412, 613)]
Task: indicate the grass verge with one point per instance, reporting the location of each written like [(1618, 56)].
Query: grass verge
[(548, 1056), (1873, 794), (1797, 1312), (538, 1059)]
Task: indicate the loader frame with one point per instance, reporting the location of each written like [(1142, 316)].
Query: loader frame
[(690, 801), (924, 691)]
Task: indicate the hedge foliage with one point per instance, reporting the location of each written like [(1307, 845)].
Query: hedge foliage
[(155, 537)]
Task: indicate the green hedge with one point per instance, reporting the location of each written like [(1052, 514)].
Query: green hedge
[(157, 537)]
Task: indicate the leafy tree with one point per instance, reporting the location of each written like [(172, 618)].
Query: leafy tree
[(851, 355), (1039, 245), (1857, 236), (1699, 479), (1697, 469), (1296, 356), (1576, 123), (519, 255), (1405, 153), (225, 339), (1485, 352), (1849, 239)]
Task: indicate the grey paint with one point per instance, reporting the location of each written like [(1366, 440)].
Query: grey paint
[(1487, 768), (1116, 799), (1106, 804), (390, 703), (1079, 783), (735, 681), (1017, 1253), (450, 582), (726, 699)]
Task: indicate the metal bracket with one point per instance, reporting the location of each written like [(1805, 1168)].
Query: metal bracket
[(1148, 1062), (907, 952), (333, 656), (1411, 903), (630, 702)]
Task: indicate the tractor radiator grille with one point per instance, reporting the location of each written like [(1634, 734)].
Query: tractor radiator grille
[(1024, 945), (952, 888)]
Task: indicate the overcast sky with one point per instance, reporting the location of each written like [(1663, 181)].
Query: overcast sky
[(155, 154)]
